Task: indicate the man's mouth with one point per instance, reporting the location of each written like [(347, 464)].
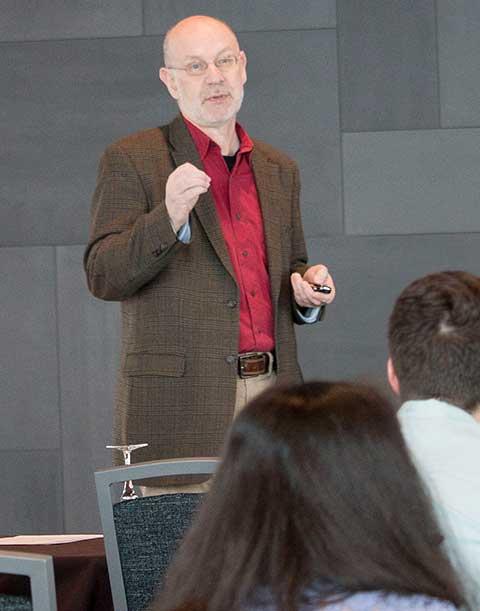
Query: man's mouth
[(217, 98)]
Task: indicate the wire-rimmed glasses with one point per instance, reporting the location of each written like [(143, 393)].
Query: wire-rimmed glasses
[(198, 67)]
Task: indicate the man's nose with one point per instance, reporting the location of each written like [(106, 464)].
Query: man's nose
[(214, 74)]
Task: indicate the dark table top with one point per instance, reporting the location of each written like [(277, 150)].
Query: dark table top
[(81, 575)]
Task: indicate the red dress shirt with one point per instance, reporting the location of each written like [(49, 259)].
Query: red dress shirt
[(239, 213)]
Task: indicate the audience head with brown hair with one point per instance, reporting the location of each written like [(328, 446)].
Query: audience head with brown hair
[(316, 503), (434, 339)]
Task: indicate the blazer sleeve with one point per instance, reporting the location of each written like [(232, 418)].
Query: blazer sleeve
[(130, 241), (299, 254), (298, 249)]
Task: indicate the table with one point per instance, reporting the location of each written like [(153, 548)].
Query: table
[(81, 575)]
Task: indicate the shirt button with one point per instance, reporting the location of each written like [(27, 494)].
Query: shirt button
[(231, 303), (238, 216), (245, 253), (253, 293), (231, 359)]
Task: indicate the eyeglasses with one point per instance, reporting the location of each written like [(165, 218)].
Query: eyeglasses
[(199, 66)]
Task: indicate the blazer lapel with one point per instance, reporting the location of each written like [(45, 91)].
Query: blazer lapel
[(268, 184), (184, 150)]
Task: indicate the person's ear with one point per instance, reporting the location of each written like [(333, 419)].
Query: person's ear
[(392, 377), (242, 58), (168, 80)]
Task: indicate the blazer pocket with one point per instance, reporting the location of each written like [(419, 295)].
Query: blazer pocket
[(170, 364)]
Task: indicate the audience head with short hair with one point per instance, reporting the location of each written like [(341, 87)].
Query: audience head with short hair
[(315, 493), (434, 340)]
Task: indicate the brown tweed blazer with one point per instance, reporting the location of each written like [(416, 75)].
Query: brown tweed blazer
[(180, 318)]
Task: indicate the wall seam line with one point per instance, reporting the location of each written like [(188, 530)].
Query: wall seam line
[(59, 384), (340, 123)]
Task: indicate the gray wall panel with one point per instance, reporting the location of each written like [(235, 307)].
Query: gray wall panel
[(370, 274), (93, 79), (242, 15), (459, 50), (388, 68), (89, 349), (88, 93), (63, 103), (28, 350), (297, 110), (32, 493), (412, 182), (49, 19)]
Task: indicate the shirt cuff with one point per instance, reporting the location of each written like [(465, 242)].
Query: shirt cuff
[(308, 315), (184, 234)]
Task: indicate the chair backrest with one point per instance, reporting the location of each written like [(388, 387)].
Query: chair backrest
[(141, 535), (39, 568)]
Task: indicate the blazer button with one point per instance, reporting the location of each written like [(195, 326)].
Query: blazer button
[(231, 359), (231, 303)]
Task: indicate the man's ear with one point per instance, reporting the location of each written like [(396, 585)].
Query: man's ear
[(392, 377), (169, 81), (243, 63)]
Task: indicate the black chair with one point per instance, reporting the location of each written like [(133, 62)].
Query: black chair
[(141, 535), (39, 568)]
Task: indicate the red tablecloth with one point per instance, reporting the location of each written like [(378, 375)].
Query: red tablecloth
[(81, 576)]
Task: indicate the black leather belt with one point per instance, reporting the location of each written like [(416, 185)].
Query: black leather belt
[(252, 364)]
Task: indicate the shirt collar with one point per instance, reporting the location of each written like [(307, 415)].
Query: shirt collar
[(428, 408), (205, 144)]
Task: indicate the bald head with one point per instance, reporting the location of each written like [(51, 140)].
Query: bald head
[(209, 98), (199, 28)]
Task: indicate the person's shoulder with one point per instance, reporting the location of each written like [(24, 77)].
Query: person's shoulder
[(273, 154), (418, 602), (142, 141), (382, 601)]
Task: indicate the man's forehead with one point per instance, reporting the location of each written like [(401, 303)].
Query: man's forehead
[(196, 38)]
